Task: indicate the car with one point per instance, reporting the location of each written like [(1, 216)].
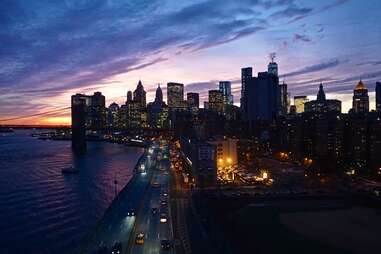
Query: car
[(156, 184), (163, 218), (163, 203), (117, 248), (139, 239), (154, 210), (131, 212), (166, 245)]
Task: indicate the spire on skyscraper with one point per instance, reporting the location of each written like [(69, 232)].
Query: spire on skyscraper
[(129, 96), (159, 94), (321, 94), (140, 94)]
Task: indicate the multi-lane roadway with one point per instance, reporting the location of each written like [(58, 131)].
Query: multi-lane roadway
[(132, 212), (154, 219)]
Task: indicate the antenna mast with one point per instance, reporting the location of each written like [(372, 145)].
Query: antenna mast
[(272, 56)]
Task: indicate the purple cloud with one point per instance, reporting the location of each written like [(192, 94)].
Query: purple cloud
[(313, 68), (301, 37)]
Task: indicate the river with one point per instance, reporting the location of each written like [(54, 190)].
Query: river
[(43, 211)]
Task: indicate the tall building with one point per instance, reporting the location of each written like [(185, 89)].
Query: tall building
[(378, 96), (225, 88), (360, 98), (175, 96), (134, 113), (193, 101), (140, 95), (129, 96), (299, 102), (216, 101), (78, 121), (246, 76), (97, 111), (272, 66), (158, 111), (113, 116), (283, 99), (321, 104), (158, 95), (262, 97)]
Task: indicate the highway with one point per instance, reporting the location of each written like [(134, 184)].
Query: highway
[(149, 222), (145, 191)]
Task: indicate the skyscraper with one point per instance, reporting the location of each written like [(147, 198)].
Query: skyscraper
[(246, 76), (140, 95), (283, 99), (216, 101), (262, 99), (159, 95), (175, 96), (193, 102), (112, 115), (158, 111), (299, 102), (129, 96), (78, 121), (360, 98), (225, 88), (97, 111), (378, 96), (272, 66)]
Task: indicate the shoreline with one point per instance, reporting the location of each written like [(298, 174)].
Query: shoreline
[(84, 244)]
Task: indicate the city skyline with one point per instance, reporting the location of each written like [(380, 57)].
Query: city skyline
[(53, 59)]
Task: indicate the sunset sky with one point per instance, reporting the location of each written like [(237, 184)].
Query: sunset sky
[(50, 50)]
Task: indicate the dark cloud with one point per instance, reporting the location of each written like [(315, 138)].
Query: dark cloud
[(374, 63), (293, 12), (313, 68), (44, 43), (333, 5), (202, 86), (301, 37)]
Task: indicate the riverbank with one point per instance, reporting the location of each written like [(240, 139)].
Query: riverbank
[(65, 135)]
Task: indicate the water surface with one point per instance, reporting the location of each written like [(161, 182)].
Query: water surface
[(43, 211)]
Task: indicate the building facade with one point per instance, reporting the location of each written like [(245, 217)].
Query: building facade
[(175, 96), (299, 102), (225, 88), (321, 104), (262, 99), (284, 103), (246, 76), (140, 95), (378, 96), (360, 103), (216, 101)]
